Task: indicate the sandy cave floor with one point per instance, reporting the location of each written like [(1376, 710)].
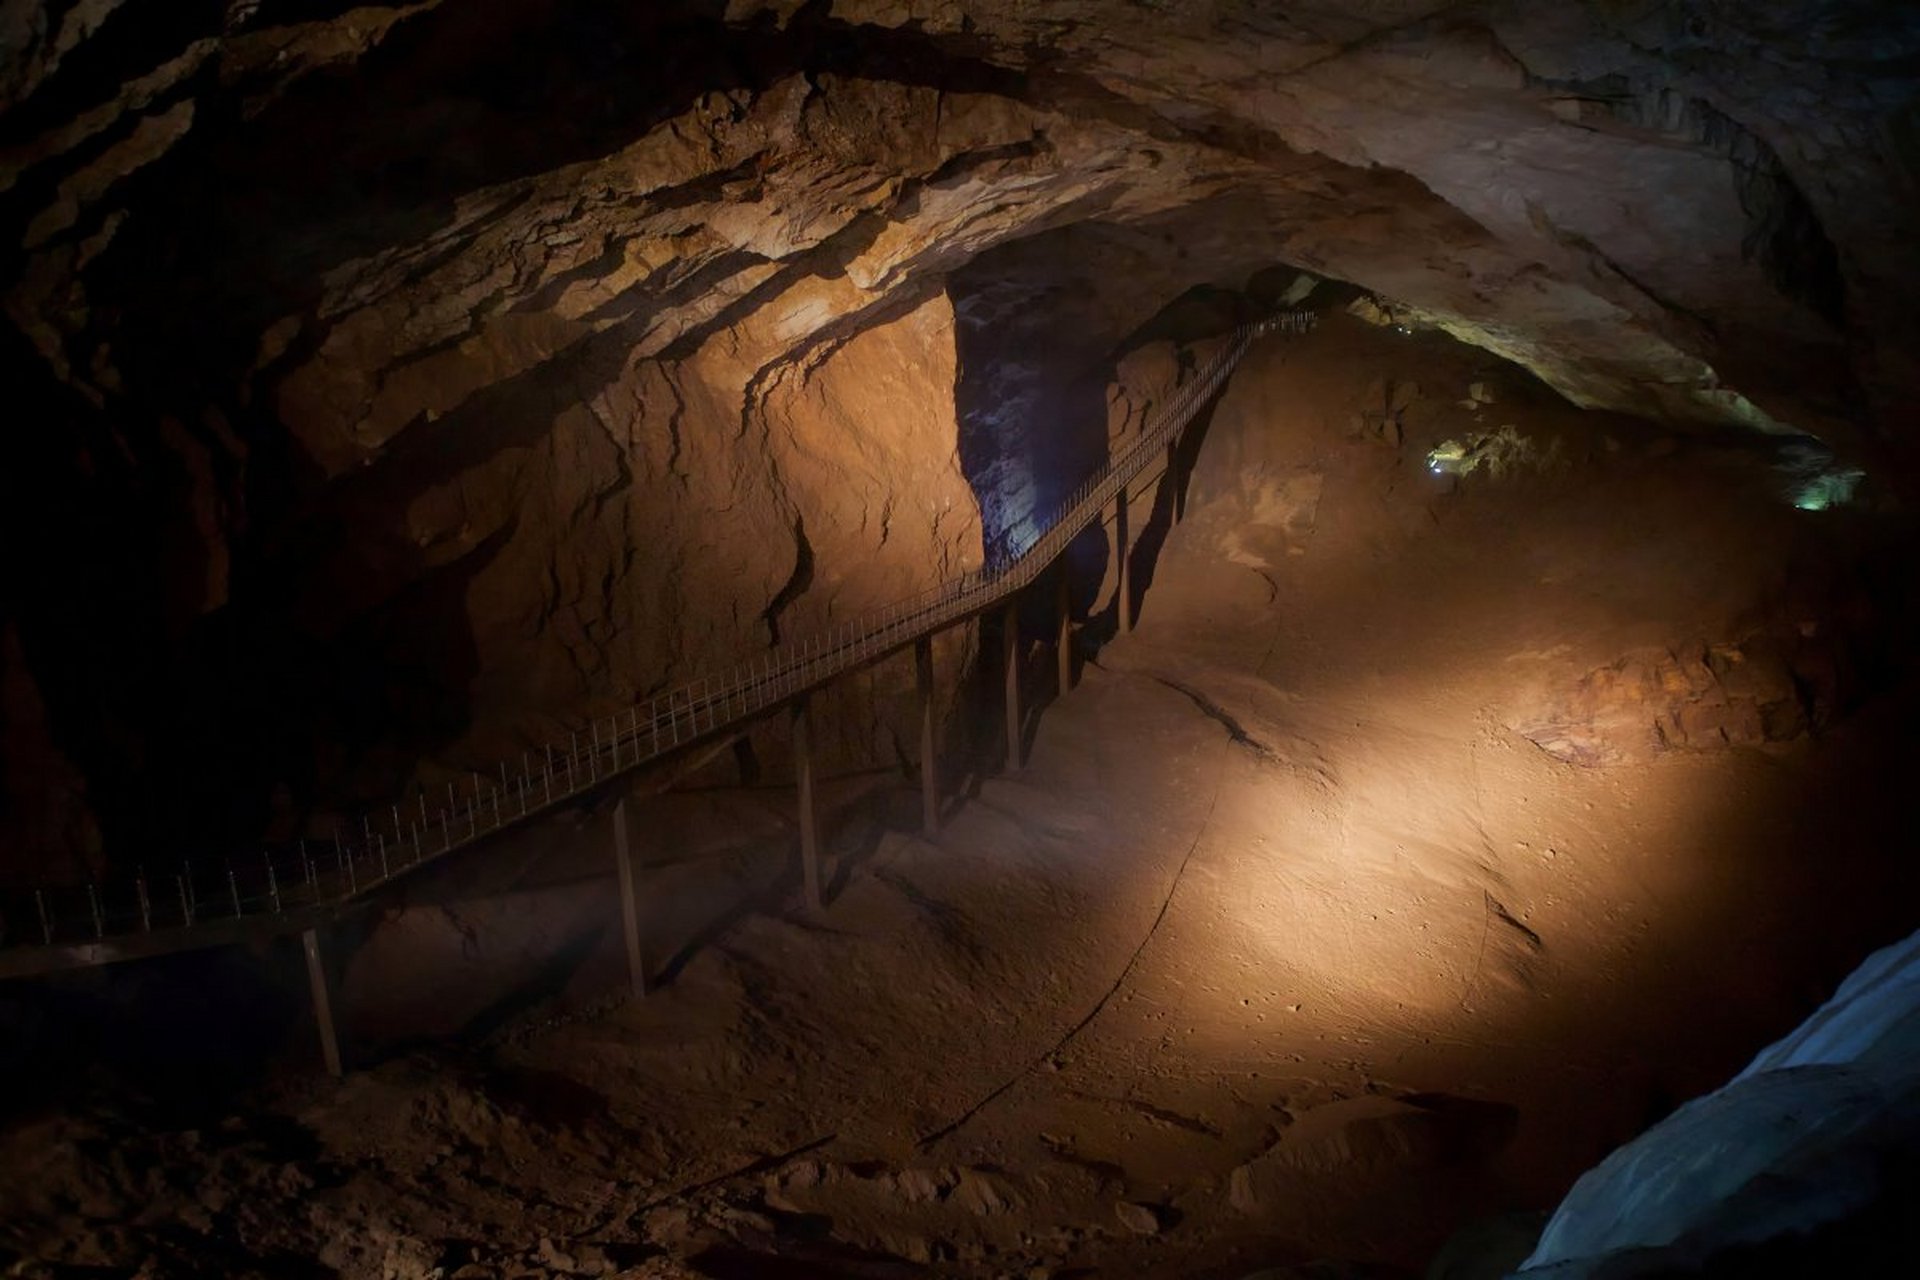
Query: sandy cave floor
[(1283, 946)]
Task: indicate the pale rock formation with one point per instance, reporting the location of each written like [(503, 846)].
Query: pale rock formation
[(1803, 1162)]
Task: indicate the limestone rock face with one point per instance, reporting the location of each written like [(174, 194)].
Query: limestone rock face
[(1768, 687), (1659, 699), (418, 378)]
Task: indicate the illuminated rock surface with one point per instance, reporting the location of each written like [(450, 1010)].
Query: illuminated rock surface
[(1285, 939), (395, 348), (1500, 757)]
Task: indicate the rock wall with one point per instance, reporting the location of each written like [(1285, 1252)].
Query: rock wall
[(388, 361), (1802, 1164), (1765, 688)]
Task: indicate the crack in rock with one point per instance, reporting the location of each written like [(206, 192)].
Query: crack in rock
[(1506, 917), (796, 585), (1214, 711), (1162, 1115)]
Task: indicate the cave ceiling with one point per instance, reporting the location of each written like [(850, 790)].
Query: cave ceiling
[(358, 219)]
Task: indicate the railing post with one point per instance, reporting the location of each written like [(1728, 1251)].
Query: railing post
[(803, 784), (929, 755), (1010, 653), (629, 900), (146, 906), (1123, 594), (46, 921), (322, 1001)]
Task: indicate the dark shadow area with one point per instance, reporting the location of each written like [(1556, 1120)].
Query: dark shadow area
[(1040, 326), (770, 899), (802, 1260), (1150, 534), (177, 1038), (1879, 1238), (207, 732), (546, 981), (858, 830)]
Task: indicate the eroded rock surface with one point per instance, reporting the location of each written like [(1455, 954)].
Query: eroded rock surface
[(1282, 951), (1699, 697), (419, 378)]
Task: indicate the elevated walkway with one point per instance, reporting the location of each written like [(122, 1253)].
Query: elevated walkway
[(303, 888)]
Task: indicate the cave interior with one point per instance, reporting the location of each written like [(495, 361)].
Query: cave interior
[(1423, 824)]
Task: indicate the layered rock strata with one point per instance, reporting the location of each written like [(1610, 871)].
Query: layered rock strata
[(411, 380)]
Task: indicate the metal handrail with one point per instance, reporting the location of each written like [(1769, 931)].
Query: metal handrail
[(308, 876)]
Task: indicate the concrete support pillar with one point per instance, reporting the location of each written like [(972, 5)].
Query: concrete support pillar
[(929, 725), (1124, 595), (1063, 627), (629, 900), (322, 1001), (809, 827), (1010, 648)]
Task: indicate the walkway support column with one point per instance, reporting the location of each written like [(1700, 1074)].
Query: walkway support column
[(1124, 594), (803, 781), (1010, 649), (1063, 623), (1175, 479), (929, 758), (322, 1001), (629, 900)]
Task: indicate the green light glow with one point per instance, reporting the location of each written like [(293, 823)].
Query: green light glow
[(1828, 489)]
